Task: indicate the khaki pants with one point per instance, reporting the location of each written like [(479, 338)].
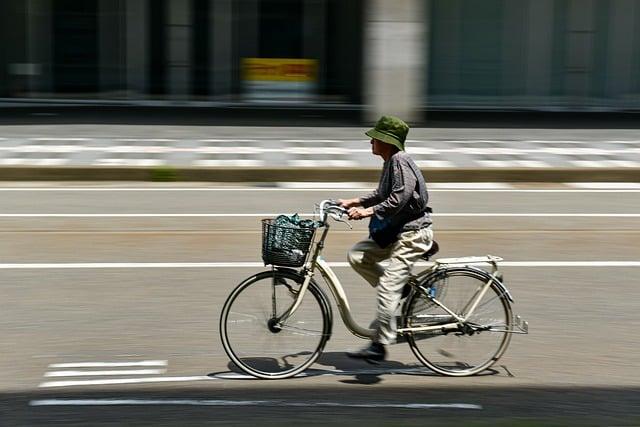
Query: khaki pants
[(365, 257)]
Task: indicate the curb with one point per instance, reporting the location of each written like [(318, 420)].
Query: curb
[(231, 174)]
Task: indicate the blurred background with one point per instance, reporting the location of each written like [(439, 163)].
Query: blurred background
[(408, 56), (523, 119)]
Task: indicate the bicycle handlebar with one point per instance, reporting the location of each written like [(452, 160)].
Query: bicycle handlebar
[(331, 207)]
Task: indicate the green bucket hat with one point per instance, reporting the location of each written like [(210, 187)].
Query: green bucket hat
[(391, 130)]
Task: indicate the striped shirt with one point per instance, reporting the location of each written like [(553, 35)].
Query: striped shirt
[(398, 195)]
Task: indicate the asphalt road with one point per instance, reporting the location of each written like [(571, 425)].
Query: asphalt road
[(95, 281)]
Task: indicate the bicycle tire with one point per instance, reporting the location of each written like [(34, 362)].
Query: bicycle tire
[(266, 353), (442, 352)]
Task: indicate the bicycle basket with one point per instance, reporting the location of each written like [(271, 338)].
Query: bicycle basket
[(285, 245)]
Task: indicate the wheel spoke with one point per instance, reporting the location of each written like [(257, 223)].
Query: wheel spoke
[(257, 343), (302, 331), (470, 349)]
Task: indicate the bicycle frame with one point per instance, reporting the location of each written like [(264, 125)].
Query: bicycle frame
[(316, 261)]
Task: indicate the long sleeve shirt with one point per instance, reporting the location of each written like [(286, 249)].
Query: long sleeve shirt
[(398, 195)]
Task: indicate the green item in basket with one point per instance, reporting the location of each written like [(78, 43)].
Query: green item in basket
[(291, 232), (294, 221)]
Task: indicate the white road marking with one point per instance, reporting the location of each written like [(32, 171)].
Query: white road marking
[(604, 185), (319, 150), (533, 164), (122, 149), (74, 383), (9, 161), (543, 215), (60, 139), (43, 149), (244, 163), (144, 140), (250, 264), (272, 214), (108, 364), (322, 163), (624, 163), (586, 187), (313, 140), (324, 186), (269, 403), (230, 140), (226, 150), (129, 162), (589, 163), (434, 164), (605, 163), (105, 373), (469, 186), (496, 163)]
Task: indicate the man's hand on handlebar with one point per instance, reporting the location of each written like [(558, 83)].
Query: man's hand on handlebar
[(360, 213)]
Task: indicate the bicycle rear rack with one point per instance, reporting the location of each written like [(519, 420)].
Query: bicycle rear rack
[(522, 326)]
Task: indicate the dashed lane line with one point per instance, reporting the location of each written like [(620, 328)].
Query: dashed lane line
[(267, 403), (108, 265), (273, 214), (108, 364), (115, 381), (105, 373)]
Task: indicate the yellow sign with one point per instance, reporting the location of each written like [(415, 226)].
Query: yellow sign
[(279, 69)]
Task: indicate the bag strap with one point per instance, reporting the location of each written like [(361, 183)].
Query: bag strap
[(421, 187)]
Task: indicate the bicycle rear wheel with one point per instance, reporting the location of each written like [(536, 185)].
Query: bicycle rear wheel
[(260, 346), (478, 344)]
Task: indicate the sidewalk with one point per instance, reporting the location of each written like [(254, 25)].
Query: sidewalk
[(60, 151)]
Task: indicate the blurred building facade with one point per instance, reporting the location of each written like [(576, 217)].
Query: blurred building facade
[(403, 57)]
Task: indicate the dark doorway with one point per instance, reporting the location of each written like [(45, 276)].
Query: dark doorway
[(157, 47), (200, 52), (75, 46), (280, 29)]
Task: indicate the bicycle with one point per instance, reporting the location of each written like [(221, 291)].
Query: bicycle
[(457, 318)]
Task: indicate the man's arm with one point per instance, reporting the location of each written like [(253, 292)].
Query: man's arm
[(350, 203), (364, 201)]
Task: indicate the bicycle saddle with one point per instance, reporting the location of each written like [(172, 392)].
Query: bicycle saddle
[(432, 251)]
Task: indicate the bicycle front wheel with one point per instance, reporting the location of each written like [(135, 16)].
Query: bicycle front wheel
[(260, 345), (479, 343)]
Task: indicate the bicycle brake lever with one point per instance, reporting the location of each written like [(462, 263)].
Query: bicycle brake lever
[(345, 221)]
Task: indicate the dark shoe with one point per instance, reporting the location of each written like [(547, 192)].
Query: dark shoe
[(375, 352), (406, 291)]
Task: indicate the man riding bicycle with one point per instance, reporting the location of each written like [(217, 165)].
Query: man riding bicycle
[(400, 229)]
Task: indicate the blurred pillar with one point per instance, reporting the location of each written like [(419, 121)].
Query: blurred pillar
[(395, 52), (623, 27), (110, 45), (539, 50), (220, 44), (39, 45), (179, 44), (136, 47), (314, 36), (246, 30)]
